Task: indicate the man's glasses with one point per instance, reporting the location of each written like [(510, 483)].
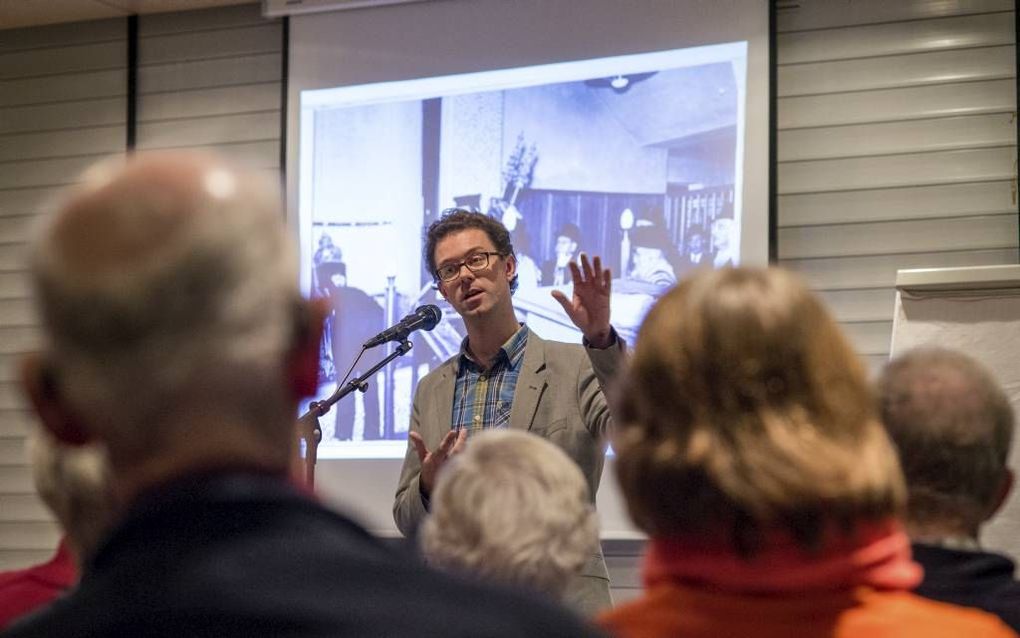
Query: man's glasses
[(474, 262)]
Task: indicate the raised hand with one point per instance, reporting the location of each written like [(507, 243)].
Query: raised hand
[(432, 462), (588, 307)]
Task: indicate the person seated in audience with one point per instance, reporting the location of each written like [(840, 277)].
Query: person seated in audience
[(556, 271), (73, 482), (512, 508), (749, 450), (953, 426), (175, 336)]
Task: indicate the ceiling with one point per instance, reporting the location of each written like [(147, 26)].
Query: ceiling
[(27, 13)]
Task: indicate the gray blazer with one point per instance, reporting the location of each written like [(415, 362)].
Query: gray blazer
[(559, 396)]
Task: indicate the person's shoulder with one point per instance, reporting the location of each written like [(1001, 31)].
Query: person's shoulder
[(906, 614), (436, 374), (469, 608)]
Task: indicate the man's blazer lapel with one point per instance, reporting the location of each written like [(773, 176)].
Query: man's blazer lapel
[(530, 384), (440, 417)]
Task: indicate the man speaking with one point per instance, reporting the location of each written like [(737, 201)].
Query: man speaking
[(506, 376)]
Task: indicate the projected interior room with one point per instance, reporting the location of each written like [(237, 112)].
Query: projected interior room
[(634, 158)]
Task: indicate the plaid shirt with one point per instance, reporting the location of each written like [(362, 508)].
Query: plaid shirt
[(482, 398)]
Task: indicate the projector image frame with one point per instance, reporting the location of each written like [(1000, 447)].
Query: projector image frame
[(636, 158)]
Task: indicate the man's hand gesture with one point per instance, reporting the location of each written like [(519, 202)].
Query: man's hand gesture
[(432, 462), (588, 308)]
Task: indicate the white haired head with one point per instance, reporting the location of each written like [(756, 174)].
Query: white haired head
[(512, 508), (168, 289)]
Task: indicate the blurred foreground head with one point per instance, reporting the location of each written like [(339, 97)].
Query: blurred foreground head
[(953, 426), (512, 509), (745, 412), (174, 330)]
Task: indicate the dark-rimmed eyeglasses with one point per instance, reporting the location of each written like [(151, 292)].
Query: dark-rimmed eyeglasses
[(474, 262)]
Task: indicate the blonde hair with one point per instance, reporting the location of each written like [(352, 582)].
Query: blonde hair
[(512, 508), (745, 410)]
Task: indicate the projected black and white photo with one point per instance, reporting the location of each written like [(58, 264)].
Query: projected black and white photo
[(635, 158)]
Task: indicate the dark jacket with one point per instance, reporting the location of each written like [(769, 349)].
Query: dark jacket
[(971, 579), (247, 555)]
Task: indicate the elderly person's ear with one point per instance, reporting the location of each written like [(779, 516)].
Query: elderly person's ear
[(303, 364), (41, 385)]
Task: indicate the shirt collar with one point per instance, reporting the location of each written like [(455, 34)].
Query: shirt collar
[(511, 352)]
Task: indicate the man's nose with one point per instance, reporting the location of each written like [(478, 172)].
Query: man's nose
[(465, 273)]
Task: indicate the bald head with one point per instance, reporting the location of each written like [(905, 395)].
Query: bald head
[(168, 290), (953, 426)]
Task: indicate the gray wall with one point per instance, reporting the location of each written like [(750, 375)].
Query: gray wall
[(206, 79)]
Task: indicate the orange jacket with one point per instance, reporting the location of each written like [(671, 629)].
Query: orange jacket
[(676, 610)]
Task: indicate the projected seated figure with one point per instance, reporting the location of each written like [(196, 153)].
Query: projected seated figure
[(355, 317), (555, 272), (648, 260), (695, 253), (722, 243)]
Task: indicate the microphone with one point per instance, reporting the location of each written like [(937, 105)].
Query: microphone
[(423, 318)]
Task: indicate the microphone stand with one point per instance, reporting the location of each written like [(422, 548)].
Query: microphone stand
[(309, 430)]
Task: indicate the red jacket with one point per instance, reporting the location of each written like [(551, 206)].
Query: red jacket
[(24, 590)]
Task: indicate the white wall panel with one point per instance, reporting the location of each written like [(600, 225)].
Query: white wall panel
[(12, 451), (879, 271), (63, 115), (16, 479), (190, 21), (67, 34), (941, 134), (30, 535), (227, 42), (17, 312), (51, 144), (894, 171), (923, 202), (47, 172), (11, 397), (860, 305), (869, 337), (211, 81), (957, 233), (194, 74), (62, 106), (820, 14), (219, 129), (14, 423), (56, 60), (25, 201), (943, 100), (939, 67), (895, 38), (23, 507), (245, 98), (19, 339), (896, 147), (78, 86), (12, 256)]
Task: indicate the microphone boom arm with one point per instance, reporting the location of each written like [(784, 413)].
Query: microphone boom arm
[(308, 424)]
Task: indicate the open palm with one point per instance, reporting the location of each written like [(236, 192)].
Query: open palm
[(588, 307)]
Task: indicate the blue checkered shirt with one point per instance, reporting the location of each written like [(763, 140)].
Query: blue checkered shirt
[(482, 398)]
